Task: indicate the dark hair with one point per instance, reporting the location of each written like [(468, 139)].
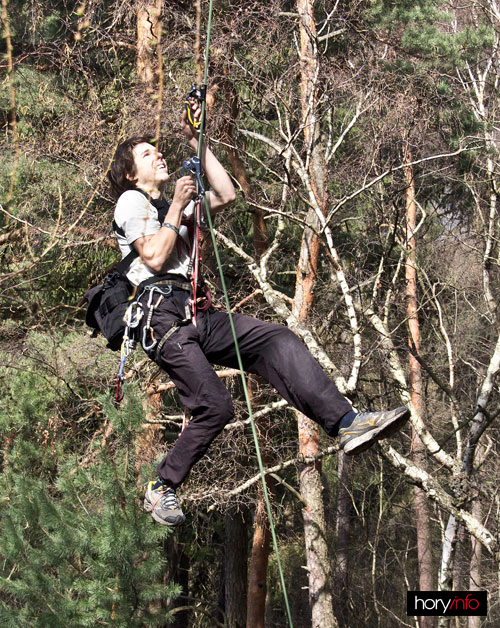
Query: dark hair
[(123, 164)]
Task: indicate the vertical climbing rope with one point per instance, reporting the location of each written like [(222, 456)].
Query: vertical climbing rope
[(233, 331)]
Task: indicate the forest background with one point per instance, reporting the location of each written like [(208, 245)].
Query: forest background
[(363, 138)]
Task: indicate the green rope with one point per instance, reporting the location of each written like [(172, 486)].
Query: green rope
[(233, 330)]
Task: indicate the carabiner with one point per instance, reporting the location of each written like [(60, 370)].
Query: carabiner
[(154, 342), (133, 315)]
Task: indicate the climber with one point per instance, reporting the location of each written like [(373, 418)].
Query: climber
[(162, 235)]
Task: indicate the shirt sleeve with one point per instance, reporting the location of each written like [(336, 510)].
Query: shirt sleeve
[(136, 216)]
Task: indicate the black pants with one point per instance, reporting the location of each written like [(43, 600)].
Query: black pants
[(269, 350)]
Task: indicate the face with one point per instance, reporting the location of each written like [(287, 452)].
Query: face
[(151, 169)]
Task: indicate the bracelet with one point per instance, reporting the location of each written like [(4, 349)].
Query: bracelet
[(169, 226)]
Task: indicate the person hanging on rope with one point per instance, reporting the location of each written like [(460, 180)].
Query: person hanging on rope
[(161, 233)]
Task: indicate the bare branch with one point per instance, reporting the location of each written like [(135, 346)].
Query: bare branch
[(279, 467), (434, 491)]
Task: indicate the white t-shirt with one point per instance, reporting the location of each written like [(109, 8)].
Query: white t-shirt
[(138, 218)]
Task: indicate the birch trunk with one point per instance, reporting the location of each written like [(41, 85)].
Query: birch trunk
[(317, 554), (475, 564), (478, 82)]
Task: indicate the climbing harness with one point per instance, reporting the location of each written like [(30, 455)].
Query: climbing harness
[(147, 329), (156, 290)]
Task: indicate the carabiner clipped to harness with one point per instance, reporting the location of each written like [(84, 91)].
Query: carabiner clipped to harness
[(147, 329), (133, 316), (128, 347), (196, 95)]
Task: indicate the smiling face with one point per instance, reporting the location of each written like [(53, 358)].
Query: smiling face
[(151, 171)]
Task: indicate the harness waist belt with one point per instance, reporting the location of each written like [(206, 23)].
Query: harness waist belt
[(176, 282)]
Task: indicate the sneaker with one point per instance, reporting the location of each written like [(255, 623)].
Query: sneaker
[(369, 427), (161, 502)]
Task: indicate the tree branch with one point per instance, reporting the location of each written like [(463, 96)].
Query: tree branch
[(434, 491), (279, 467)]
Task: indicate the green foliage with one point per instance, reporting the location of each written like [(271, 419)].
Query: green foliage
[(425, 31), (49, 382), (36, 23), (27, 397), (77, 548), (453, 49), (79, 551), (394, 14)]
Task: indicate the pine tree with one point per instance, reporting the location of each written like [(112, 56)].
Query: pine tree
[(77, 549)]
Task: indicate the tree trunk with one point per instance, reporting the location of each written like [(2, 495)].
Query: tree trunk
[(235, 569), (257, 573), (260, 235), (447, 562), (261, 544), (146, 444), (317, 554), (177, 571), (475, 563), (343, 525), (461, 566), (149, 28), (424, 545)]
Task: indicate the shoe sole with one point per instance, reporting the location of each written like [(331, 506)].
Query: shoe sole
[(149, 508), (367, 440)]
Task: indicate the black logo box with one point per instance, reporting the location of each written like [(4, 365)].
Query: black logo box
[(447, 603)]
